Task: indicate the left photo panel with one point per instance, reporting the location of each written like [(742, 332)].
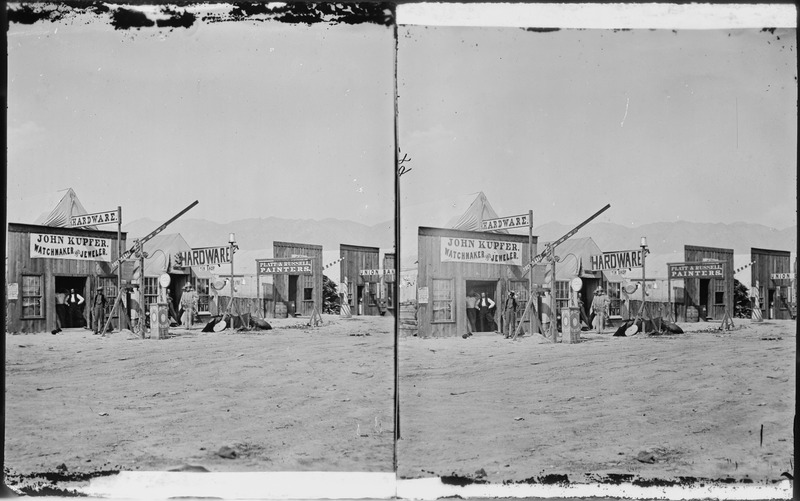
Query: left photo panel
[(200, 258)]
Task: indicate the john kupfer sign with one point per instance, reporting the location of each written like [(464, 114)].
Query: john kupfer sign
[(70, 247), (617, 260), (285, 267), (696, 270), (204, 256), (474, 250), (502, 223)]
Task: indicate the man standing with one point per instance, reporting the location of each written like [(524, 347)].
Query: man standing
[(61, 311), (75, 309), (600, 309), (509, 315), (189, 306), (472, 312), (485, 320), (99, 311)]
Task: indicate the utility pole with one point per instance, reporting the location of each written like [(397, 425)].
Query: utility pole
[(644, 283), (530, 275), (141, 254)]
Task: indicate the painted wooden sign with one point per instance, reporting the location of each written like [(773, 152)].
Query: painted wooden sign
[(107, 217), (696, 270), (284, 266), (503, 223), (781, 276), (374, 273), (617, 260), (474, 250), (203, 256), (70, 247)]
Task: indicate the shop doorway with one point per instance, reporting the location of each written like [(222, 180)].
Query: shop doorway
[(703, 298), (292, 299), (770, 304), (487, 322), (75, 316), (360, 296)]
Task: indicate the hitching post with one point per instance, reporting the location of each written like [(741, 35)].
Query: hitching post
[(530, 274), (232, 241), (644, 284), (553, 314)]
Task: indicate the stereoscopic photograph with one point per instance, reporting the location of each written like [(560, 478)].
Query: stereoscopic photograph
[(200, 240)]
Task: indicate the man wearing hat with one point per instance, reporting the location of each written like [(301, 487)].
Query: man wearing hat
[(600, 310), (99, 311), (188, 305), (509, 314)]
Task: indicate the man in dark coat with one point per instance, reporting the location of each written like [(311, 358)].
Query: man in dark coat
[(485, 319), (99, 311), (75, 307)]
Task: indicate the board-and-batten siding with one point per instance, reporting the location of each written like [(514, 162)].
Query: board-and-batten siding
[(695, 253), (20, 263), (767, 262), (431, 267), (354, 259), (280, 283)]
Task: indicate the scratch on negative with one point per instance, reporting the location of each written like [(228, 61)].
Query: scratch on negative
[(627, 102)]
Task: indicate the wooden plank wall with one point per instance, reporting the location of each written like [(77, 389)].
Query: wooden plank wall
[(695, 253), (354, 259), (280, 283), (20, 263), (430, 266), (767, 262)]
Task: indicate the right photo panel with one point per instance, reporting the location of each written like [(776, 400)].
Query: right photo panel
[(598, 254)]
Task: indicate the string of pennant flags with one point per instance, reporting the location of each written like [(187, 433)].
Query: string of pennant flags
[(740, 268)]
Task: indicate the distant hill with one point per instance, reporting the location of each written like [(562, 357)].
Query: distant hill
[(665, 238), (662, 238), (259, 233)]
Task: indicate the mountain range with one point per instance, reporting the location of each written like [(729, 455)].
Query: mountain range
[(662, 237)]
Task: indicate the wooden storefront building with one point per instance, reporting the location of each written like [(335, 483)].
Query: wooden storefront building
[(364, 288), (711, 296), (453, 263), (45, 260), (300, 292), (772, 275)]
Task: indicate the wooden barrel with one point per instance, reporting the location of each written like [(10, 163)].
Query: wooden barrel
[(280, 310), (692, 315)]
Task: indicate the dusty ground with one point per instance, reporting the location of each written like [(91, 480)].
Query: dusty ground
[(293, 398), (691, 404)]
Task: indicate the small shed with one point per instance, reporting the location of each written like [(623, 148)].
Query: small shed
[(359, 268), (454, 263), (772, 276), (298, 287), (712, 296)]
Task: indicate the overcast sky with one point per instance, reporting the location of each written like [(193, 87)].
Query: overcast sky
[(692, 125), (253, 119)]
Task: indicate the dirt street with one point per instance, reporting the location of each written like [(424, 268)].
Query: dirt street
[(704, 404), (292, 398)]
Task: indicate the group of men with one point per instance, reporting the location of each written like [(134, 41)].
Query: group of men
[(480, 313), (70, 305)]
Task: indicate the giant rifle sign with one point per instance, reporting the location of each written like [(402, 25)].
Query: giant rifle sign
[(130, 252), (285, 266), (107, 217), (616, 260), (204, 256), (551, 247)]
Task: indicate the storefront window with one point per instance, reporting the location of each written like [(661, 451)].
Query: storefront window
[(308, 294), (614, 308), (390, 295), (719, 292), (443, 300), (373, 293), (150, 292), (32, 296), (201, 286), (562, 294)]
